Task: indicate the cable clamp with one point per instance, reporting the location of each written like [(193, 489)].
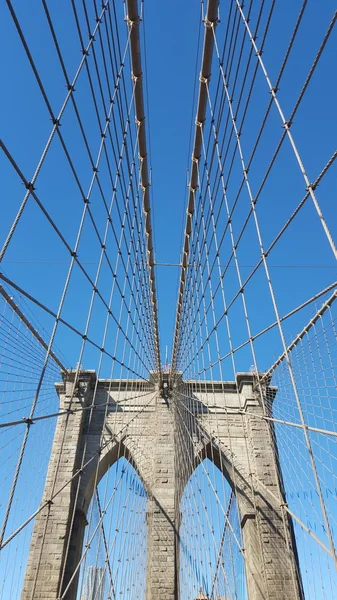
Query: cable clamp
[(136, 77), (199, 123), (209, 24), (203, 79), (130, 22)]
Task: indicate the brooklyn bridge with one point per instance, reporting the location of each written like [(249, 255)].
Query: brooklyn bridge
[(168, 347)]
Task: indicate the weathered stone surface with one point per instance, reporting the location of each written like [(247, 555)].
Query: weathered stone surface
[(164, 441)]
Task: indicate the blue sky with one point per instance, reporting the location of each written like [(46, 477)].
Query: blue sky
[(172, 66), (301, 264)]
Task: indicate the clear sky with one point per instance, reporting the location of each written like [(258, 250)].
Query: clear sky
[(302, 263), (171, 58), (172, 66)]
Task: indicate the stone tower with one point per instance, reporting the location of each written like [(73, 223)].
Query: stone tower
[(87, 442)]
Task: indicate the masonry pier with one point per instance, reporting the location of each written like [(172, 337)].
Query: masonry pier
[(140, 422)]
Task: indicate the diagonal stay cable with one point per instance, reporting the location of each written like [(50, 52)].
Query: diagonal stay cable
[(29, 325), (55, 119), (77, 474), (64, 322)]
